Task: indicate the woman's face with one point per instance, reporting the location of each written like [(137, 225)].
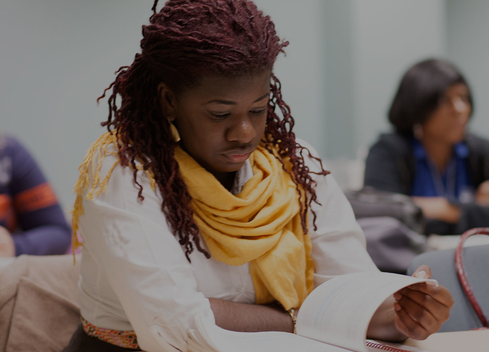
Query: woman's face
[(447, 123), (221, 121)]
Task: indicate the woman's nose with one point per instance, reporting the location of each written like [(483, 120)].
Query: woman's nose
[(242, 131), (460, 105)]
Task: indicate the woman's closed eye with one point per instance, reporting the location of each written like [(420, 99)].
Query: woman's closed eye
[(220, 115), (258, 111), (223, 115)]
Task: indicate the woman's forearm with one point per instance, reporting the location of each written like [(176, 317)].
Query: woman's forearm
[(250, 317)]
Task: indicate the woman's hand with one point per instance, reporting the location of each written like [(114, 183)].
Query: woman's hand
[(422, 308), (7, 245), (438, 208)]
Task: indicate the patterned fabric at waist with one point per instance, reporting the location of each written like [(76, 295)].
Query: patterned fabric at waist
[(126, 339)]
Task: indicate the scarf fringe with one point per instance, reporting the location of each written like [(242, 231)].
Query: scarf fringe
[(82, 185)]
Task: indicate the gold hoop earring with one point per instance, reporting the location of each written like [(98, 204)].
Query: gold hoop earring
[(174, 132)]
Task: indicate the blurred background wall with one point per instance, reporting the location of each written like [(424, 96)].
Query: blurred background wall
[(341, 70), (468, 47)]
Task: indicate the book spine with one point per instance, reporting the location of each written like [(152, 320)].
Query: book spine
[(382, 347)]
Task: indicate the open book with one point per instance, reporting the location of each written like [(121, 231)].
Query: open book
[(333, 318)]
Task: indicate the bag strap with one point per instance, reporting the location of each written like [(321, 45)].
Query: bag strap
[(459, 266)]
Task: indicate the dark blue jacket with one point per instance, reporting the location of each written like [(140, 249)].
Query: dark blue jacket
[(391, 165)]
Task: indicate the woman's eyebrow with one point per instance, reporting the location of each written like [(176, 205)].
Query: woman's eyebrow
[(262, 97), (230, 102), (219, 101)]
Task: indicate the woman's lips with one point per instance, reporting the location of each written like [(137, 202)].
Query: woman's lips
[(238, 156)]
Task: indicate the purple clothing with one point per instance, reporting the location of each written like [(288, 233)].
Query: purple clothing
[(29, 208)]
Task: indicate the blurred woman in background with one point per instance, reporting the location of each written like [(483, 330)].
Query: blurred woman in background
[(431, 156)]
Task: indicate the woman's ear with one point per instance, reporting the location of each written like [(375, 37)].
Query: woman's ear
[(167, 101)]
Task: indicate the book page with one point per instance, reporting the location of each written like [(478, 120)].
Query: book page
[(339, 311)]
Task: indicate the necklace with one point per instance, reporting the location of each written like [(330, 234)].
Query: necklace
[(442, 191)]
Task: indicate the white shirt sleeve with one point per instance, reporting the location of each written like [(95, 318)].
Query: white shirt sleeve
[(143, 262), (338, 244)]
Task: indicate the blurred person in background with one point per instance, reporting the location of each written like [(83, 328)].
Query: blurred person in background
[(431, 156), (31, 219)]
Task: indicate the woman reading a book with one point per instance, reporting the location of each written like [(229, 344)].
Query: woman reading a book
[(199, 201)]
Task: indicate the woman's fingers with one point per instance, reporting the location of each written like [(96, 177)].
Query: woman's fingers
[(406, 324), (440, 310), (423, 272), (422, 314), (423, 307), (432, 289)]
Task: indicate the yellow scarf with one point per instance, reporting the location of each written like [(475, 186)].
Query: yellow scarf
[(261, 225)]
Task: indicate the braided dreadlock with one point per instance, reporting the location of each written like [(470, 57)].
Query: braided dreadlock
[(184, 41)]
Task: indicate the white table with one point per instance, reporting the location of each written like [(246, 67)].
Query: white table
[(457, 341)]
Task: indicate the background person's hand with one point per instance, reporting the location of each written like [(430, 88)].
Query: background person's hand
[(438, 208), (482, 194), (7, 246), (422, 308)]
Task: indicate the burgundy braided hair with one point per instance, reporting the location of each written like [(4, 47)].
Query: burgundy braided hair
[(184, 41)]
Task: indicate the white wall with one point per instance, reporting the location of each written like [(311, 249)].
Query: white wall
[(373, 43), (339, 78), (57, 57), (342, 66), (468, 48), (389, 37), (302, 70)]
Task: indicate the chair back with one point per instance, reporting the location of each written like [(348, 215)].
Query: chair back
[(476, 268)]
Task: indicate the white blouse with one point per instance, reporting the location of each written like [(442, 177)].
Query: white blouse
[(135, 276)]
